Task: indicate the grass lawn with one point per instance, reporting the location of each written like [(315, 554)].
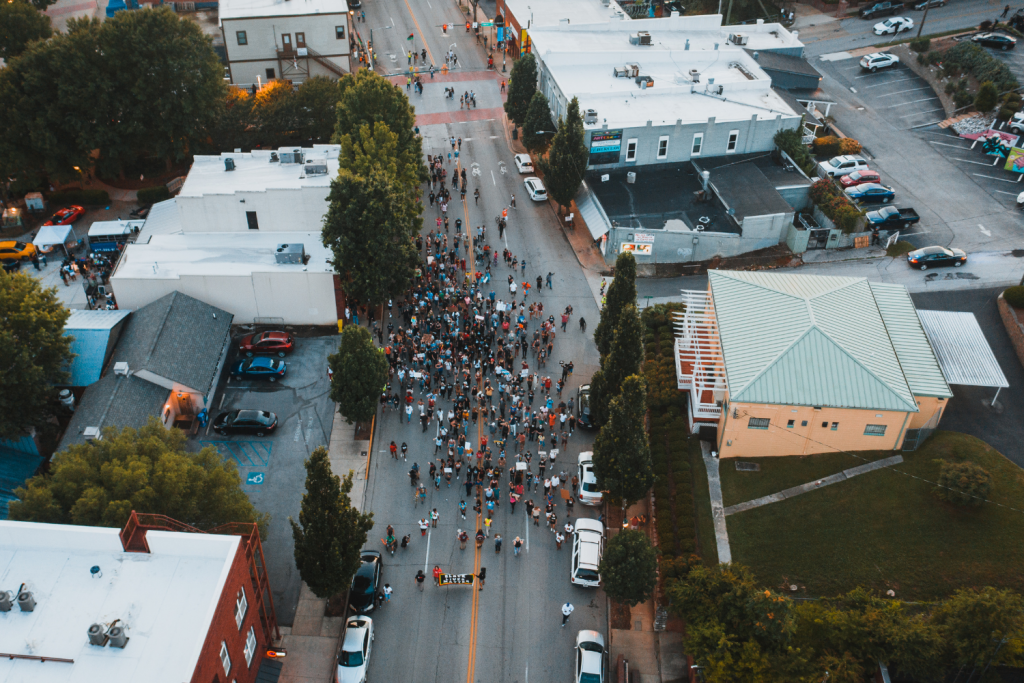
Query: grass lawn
[(886, 530), (702, 506), (778, 474)]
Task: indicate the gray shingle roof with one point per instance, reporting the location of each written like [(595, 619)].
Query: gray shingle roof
[(115, 401)]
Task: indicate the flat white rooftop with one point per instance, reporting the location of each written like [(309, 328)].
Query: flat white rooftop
[(164, 599), (114, 228), (219, 253), (255, 172), (241, 9), (555, 13)]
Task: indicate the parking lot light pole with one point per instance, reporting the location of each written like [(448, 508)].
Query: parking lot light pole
[(924, 17)]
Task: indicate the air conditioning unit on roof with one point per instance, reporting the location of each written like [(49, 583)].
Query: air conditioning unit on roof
[(641, 38), (738, 39)]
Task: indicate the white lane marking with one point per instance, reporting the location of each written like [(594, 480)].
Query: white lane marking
[(527, 533), (907, 116), (970, 162), (527, 680), (946, 144), (493, 180), (903, 104), (426, 560), (986, 233), (898, 80), (1012, 194), (992, 177), (222, 397), (493, 137), (900, 92)]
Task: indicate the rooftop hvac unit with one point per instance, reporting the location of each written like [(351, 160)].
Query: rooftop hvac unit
[(26, 602), (628, 71), (6, 603), (590, 116), (229, 164), (315, 167), (98, 635), (274, 157), (91, 433), (631, 177), (121, 368), (738, 39), (695, 75), (292, 157), (644, 82), (715, 89), (641, 38), (118, 638), (291, 253)]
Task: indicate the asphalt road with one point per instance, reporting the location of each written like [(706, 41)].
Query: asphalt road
[(512, 630)]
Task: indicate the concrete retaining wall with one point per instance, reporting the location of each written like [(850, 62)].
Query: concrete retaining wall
[(1014, 328)]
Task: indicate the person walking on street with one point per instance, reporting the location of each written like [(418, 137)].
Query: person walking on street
[(567, 609), (517, 545), (513, 204), (423, 527), (463, 537), (559, 538), (420, 576), (388, 590), (462, 508), (536, 516), (487, 526), (497, 543), (482, 576), (433, 518), (437, 575), (583, 324), (1006, 10), (476, 196)]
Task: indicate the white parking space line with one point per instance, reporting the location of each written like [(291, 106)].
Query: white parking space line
[(992, 177), (899, 80), (903, 104), (971, 162), (929, 111), (1012, 194), (946, 144), (900, 92), (986, 233)]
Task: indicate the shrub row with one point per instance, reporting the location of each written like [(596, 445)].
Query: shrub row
[(152, 195), (79, 196), (966, 57), (1014, 296), (791, 142), (834, 204), (830, 146)]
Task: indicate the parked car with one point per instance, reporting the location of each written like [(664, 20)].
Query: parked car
[(66, 216), (590, 658), (892, 218), (997, 40), (844, 165), (859, 178), (893, 26), (258, 422), (589, 493), (355, 649), (583, 407), (673, 7), (524, 163), (878, 60), (1017, 123), (11, 250), (871, 193), (881, 9), (266, 342), (535, 188), (929, 3), (587, 548), (366, 583), (259, 368), (933, 257)]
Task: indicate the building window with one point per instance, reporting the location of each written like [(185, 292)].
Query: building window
[(250, 217), (758, 423), (824, 425), (242, 39), (631, 150), (663, 147), (734, 136), (698, 142), (241, 606), (339, 32), (270, 75), (803, 423), (250, 646), (835, 426), (791, 424), (225, 658), (874, 430)]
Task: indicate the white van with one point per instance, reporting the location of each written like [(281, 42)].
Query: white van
[(589, 493), (587, 548)]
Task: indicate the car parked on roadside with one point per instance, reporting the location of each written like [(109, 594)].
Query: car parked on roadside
[(844, 165), (524, 164), (583, 407), (258, 422), (934, 257), (929, 3), (355, 649), (892, 218), (362, 596), (996, 40), (589, 493), (881, 9), (587, 549), (535, 188), (66, 216), (590, 657), (871, 193), (260, 367), (893, 26), (859, 178), (12, 250), (272, 342), (878, 60)]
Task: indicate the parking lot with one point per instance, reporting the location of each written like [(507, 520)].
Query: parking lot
[(986, 171), (271, 467), (902, 97)]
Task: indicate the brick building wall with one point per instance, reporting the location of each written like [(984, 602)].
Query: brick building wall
[(224, 629)]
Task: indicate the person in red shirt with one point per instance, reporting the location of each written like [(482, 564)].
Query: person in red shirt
[(437, 575)]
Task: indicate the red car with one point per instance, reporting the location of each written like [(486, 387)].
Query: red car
[(66, 216), (266, 342), (859, 178)]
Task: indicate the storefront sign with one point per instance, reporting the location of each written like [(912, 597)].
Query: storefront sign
[(638, 249), (457, 579), (643, 237), (605, 146)]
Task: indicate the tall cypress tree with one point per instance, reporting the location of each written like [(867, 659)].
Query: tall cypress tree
[(538, 120), (621, 292), (522, 83), (622, 455), (567, 159), (625, 358)]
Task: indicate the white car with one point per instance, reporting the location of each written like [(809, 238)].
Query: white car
[(535, 188), (589, 657), (355, 651), (587, 548), (524, 163), (894, 25), (844, 165), (878, 60), (589, 493)]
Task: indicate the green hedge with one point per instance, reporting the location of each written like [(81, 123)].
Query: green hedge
[(78, 196), (152, 195), (1014, 296), (975, 60)]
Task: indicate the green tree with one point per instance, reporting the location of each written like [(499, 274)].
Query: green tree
[(36, 353), (275, 115), (370, 221), (987, 97), (360, 373), (624, 358), (522, 83), (148, 470), (621, 292), (622, 455), (567, 157), (375, 146), (537, 124), (42, 4), (629, 567), (963, 483), (20, 24), (330, 532), (233, 127), (317, 103), (976, 626)]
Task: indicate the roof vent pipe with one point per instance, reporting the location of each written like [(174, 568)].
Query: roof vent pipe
[(755, 56), (705, 178), (687, 47), (716, 46)]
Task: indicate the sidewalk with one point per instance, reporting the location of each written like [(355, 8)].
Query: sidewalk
[(314, 639)]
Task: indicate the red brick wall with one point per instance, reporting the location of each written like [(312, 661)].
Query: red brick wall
[(223, 628), (1014, 328)]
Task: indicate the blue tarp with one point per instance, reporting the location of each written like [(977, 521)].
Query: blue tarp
[(19, 460)]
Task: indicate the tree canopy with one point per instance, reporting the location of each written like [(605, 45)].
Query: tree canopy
[(537, 123), (622, 454), (621, 292), (36, 353), (20, 24), (624, 358), (629, 567), (567, 157), (522, 84), (147, 470), (360, 373), (330, 532)]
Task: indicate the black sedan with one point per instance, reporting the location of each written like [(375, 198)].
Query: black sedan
[(932, 257), (366, 582), (996, 40), (258, 422), (583, 407)]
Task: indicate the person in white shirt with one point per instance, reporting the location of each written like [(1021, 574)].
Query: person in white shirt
[(567, 609)]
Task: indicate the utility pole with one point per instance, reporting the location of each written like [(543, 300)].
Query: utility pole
[(924, 17)]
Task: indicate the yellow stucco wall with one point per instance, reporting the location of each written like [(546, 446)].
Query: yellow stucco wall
[(930, 414)]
